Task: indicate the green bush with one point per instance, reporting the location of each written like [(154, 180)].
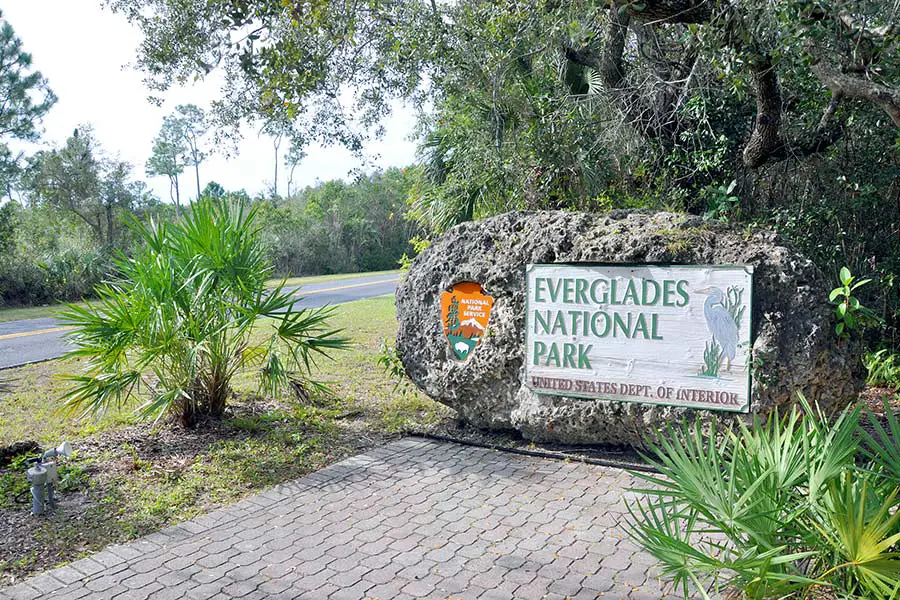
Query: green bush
[(184, 309), (776, 509), (338, 227), (883, 368), (47, 257)]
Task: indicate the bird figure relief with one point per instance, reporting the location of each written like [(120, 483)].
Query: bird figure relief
[(720, 323)]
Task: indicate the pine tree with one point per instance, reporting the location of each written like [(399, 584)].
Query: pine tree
[(453, 315), (25, 98)]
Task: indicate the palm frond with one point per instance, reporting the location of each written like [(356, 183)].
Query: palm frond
[(863, 537), (773, 508), (883, 445)]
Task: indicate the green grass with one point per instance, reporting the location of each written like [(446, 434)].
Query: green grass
[(12, 486), (160, 490), (30, 312), (135, 479), (50, 310), (32, 409)]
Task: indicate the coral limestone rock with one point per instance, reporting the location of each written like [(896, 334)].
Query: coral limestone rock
[(794, 348)]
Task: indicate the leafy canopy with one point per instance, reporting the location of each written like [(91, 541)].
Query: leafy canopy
[(81, 179), (189, 311), (25, 96), (544, 103)]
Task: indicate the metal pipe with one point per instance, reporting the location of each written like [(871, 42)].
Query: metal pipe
[(37, 475)]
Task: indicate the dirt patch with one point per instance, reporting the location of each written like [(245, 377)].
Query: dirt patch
[(877, 398)]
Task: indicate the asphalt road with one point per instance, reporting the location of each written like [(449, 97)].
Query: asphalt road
[(35, 340)]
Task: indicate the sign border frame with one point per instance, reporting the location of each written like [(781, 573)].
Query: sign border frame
[(748, 268)]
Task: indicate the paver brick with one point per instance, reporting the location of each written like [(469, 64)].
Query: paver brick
[(21, 592), (413, 519), (46, 584), (236, 589)]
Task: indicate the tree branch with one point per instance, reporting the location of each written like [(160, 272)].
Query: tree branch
[(670, 11), (851, 86), (765, 141)]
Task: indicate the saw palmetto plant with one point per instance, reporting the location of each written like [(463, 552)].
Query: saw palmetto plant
[(186, 313), (776, 509)]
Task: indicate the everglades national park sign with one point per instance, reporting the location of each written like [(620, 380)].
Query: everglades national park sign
[(573, 328), (657, 334), (465, 310)]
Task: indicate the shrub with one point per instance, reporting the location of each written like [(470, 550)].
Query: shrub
[(776, 509), (72, 274), (183, 309), (883, 369)]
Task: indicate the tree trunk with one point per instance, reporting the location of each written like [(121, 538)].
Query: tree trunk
[(277, 143), (177, 199), (764, 140), (197, 173), (290, 180), (109, 225), (207, 399), (99, 227), (610, 66), (275, 181)]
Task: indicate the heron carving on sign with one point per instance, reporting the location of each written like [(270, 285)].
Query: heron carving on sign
[(721, 323)]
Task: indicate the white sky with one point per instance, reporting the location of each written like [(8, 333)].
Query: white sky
[(82, 49)]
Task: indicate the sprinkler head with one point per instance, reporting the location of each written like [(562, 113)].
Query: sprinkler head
[(64, 449)]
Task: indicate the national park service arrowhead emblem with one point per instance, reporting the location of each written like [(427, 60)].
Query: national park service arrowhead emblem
[(465, 310)]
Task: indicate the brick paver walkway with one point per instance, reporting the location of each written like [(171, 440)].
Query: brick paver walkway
[(413, 519)]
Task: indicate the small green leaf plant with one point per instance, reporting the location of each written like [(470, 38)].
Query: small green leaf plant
[(418, 244), (883, 369), (389, 360), (851, 315), (722, 204)]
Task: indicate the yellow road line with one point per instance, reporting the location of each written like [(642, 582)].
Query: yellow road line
[(344, 287), (21, 334)]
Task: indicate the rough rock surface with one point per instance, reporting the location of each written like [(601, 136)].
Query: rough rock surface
[(795, 349)]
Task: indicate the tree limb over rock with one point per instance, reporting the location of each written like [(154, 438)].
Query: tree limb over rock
[(764, 138), (764, 143)]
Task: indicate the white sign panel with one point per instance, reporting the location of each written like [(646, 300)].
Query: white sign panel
[(659, 334)]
